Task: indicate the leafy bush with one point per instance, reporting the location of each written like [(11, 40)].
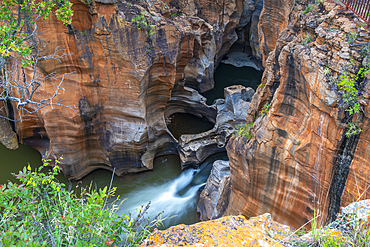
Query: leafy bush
[(40, 211), (348, 86), (143, 24), (309, 8), (265, 109), (244, 130)]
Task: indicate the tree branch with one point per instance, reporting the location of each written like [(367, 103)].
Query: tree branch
[(22, 92)]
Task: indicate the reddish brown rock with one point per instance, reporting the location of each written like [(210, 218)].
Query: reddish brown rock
[(122, 79), (297, 162), (7, 136), (273, 20)]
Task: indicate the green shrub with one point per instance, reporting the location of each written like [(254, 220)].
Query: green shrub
[(309, 8), (244, 130), (265, 109), (143, 24), (40, 211), (352, 36)]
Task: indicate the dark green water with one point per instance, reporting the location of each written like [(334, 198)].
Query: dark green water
[(228, 75), (183, 123), (169, 189), (12, 161)]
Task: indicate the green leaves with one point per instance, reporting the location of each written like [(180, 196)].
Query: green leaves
[(143, 24), (353, 129), (40, 211), (14, 15), (347, 82), (265, 109), (244, 130)]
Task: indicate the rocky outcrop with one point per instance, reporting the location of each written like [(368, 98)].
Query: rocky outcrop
[(7, 136), (125, 58), (213, 200), (299, 160), (350, 228), (187, 100), (272, 22), (194, 149), (239, 59), (227, 231)]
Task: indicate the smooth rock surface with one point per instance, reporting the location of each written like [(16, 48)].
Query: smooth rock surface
[(193, 149), (239, 59)]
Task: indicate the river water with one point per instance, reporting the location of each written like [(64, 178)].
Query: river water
[(12, 161), (166, 187), (228, 75)]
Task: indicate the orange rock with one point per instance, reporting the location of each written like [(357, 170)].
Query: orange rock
[(298, 159), (123, 79), (226, 231)]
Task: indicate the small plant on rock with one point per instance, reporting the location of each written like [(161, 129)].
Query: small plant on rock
[(352, 36), (306, 39), (265, 109), (309, 8), (142, 23), (244, 130)]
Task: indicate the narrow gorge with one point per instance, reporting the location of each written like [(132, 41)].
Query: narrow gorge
[(237, 102)]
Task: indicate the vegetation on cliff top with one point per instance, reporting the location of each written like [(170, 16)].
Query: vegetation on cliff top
[(40, 211)]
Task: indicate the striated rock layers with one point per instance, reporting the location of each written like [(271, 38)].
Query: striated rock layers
[(299, 161), (125, 58)]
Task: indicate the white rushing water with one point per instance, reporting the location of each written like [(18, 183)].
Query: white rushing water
[(175, 197), (169, 189)]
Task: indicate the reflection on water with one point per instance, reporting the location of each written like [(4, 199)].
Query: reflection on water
[(228, 75), (184, 123)]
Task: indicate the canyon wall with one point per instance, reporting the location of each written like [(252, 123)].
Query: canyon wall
[(299, 160), (121, 61)]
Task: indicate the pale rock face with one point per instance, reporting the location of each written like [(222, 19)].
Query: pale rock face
[(194, 149)]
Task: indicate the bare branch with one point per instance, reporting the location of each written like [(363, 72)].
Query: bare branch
[(34, 29), (17, 87)]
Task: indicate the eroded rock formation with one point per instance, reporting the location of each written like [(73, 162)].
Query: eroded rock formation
[(194, 149), (213, 200), (123, 74), (299, 159)]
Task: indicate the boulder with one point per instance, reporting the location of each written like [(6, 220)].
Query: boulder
[(213, 200), (227, 231)]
